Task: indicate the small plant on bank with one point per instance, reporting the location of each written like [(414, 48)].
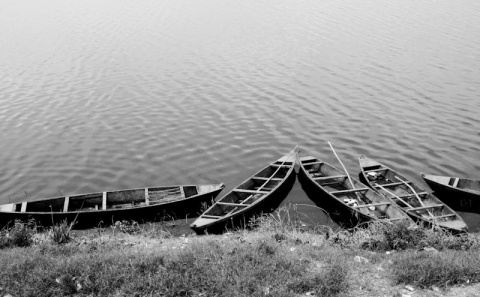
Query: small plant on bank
[(60, 233), (20, 235), (129, 227)]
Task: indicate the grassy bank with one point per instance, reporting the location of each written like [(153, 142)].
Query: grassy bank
[(275, 259)]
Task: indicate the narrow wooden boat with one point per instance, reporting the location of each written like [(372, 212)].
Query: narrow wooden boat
[(361, 202), (422, 206), (92, 210), (461, 194), (456, 186), (262, 191)]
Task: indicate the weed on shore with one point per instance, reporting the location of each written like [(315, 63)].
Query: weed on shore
[(205, 267), (279, 257)]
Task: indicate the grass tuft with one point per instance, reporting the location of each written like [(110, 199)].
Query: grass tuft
[(61, 233), (203, 266), (19, 235), (331, 282), (379, 236), (426, 269)]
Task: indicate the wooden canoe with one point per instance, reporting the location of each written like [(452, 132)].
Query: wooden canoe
[(454, 185), (92, 210), (257, 194), (361, 202), (461, 194), (422, 206)]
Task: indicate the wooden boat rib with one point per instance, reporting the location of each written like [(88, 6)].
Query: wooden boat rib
[(362, 202), (89, 210), (419, 204), (251, 197), (453, 185)]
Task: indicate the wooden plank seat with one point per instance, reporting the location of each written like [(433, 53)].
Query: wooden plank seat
[(453, 182), (24, 207), (264, 188), (250, 191), (395, 219), (409, 195), (65, 204), (425, 207), (441, 217), (147, 197), (373, 204), (392, 184), (211, 217), (233, 204), (349, 191), (376, 170), (267, 178), (312, 163), (104, 200), (281, 165), (329, 177), (330, 183)]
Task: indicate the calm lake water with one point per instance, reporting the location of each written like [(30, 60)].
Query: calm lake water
[(102, 95)]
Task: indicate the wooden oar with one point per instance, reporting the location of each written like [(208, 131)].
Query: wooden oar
[(348, 175), (415, 193), (344, 169), (383, 188), (411, 188)]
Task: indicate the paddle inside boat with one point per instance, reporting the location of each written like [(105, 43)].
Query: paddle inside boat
[(347, 193), (421, 205)]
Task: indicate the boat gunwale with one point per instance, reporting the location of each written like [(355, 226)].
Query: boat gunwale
[(429, 194), (221, 186), (250, 206), (452, 188), (356, 210)]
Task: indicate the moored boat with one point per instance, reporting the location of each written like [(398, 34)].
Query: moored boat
[(104, 208), (453, 185), (461, 194), (257, 194), (348, 194), (422, 206)]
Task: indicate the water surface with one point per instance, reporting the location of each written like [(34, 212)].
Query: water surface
[(100, 95)]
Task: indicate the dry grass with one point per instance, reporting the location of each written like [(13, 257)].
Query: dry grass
[(281, 257)]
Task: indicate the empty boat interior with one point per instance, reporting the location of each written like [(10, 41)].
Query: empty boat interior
[(109, 200), (233, 202), (250, 191), (468, 184)]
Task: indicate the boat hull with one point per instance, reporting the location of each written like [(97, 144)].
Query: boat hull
[(98, 218), (242, 219), (260, 193), (340, 213), (455, 198), (456, 225)]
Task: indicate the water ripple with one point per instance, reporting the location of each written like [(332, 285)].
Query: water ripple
[(106, 95)]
